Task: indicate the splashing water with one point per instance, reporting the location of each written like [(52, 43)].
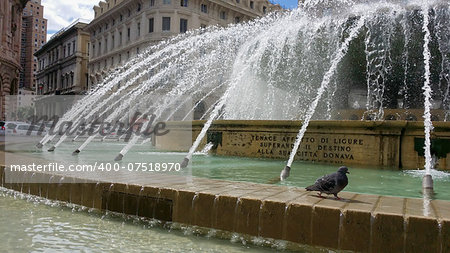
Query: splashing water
[(205, 149), (436, 174), (280, 67)]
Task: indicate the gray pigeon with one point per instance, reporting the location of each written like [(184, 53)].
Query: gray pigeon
[(332, 183)]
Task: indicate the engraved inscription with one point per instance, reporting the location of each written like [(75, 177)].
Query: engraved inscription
[(314, 147)]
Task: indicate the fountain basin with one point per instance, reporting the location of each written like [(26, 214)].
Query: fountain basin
[(359, 222)]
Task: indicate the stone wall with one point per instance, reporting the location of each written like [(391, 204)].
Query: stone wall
[(10, 35), (397, 144)]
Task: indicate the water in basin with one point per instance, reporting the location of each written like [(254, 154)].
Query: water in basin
[(30, 224), (379, 181)]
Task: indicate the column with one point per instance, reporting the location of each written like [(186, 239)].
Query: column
[(58, 80)]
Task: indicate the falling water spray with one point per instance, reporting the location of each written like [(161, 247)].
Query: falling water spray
[(326, 80)]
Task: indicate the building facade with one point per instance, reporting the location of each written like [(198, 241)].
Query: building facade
[(122, 28), (34, 35), (62, 69), (10, 24), (62, 62)]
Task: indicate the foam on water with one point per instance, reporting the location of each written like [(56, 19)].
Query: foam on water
[(436, 174)]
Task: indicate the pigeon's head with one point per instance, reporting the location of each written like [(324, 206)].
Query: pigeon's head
[(343, 170)]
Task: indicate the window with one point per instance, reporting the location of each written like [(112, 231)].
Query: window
[(73, 44), (99, 47), (121, 17), (252, 4), (264, 9), (106, 46), (184, 3), (166, 2), (204, 8), (183, 25), (237, 20), (152, 2), (128, 55), (120, 38), (129, 13), (112, 41), (128, 34), (139, 7), (238, 1), (137, 50), (106, 27), (151, 23), (93, 49), (68, 48), (113, 22), (166, 23), (139, 29)]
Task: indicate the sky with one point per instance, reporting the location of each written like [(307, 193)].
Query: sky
[(61, 13)]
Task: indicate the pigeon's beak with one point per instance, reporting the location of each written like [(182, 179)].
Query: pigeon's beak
[(348, 172)]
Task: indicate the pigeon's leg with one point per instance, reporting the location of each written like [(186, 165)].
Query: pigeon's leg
[(320, 195), (336, 196)]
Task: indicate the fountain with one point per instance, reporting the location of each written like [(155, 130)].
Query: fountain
[(309, 69), (332, 50), (296, 65)]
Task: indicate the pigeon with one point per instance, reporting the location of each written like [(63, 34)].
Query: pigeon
[(332, 183)]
